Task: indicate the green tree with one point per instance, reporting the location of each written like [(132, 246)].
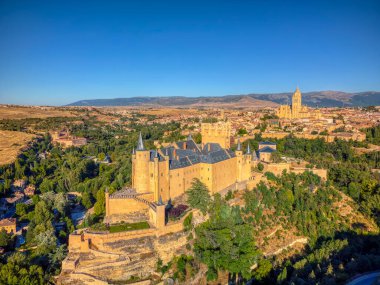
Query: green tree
[(46, 242), (264, 267), (197, 138), (87, 200), (276, 157), (198, 196), (21, 209), (5, 239), (61, 203), (100, 203), (242, 132), (282, 276), (42, 213), (19, 271), (354, 189), (225, 242), (46, 186)]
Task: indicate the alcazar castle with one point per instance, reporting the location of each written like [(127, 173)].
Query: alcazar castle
[(158, 177), (164, 174)]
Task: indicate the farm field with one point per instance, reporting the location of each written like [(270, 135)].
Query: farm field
[(11, 143), (23, 112)]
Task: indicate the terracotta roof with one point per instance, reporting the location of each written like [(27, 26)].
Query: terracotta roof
[(7, 222)]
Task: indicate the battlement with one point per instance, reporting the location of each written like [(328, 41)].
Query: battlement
[(217, 133)]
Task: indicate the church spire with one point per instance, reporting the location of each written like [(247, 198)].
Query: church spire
[(248, 149), (133, 151), (189, 138), (140, 144)]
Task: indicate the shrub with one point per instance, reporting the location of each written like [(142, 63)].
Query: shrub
[(175, 213)]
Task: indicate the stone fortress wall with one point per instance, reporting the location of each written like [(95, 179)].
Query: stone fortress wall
[(328, 138), (279, 168), (85, 240)]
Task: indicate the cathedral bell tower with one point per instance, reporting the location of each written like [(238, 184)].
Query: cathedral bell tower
[(296, 103)]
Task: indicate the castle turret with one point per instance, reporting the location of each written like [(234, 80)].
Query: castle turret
[(140, 168), (238, 150), (156, 176), (240, 160)]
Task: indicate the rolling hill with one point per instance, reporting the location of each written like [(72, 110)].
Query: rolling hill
[(313, 99)]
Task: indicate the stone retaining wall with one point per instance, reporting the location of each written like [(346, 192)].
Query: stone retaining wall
[(84, 241)]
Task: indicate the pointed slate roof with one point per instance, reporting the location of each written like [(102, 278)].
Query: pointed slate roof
[(267, 149), (248, 149), (140, 143), (238, 145), (267, 143)]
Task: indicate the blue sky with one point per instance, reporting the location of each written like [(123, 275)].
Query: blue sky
[(57, 52)]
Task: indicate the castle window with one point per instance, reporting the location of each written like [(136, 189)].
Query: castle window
[(162, 174), (151, 175)]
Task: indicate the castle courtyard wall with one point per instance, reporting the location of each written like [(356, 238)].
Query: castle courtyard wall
[(277, 168), (122, 206)]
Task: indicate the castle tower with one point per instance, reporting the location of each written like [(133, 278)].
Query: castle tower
[(216, 133), (296, 103), (140, 168)]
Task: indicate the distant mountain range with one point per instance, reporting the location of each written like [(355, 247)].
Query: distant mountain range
[(312, 99)]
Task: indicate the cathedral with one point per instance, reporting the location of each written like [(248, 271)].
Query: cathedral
[(164, 174), (294, 111)]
